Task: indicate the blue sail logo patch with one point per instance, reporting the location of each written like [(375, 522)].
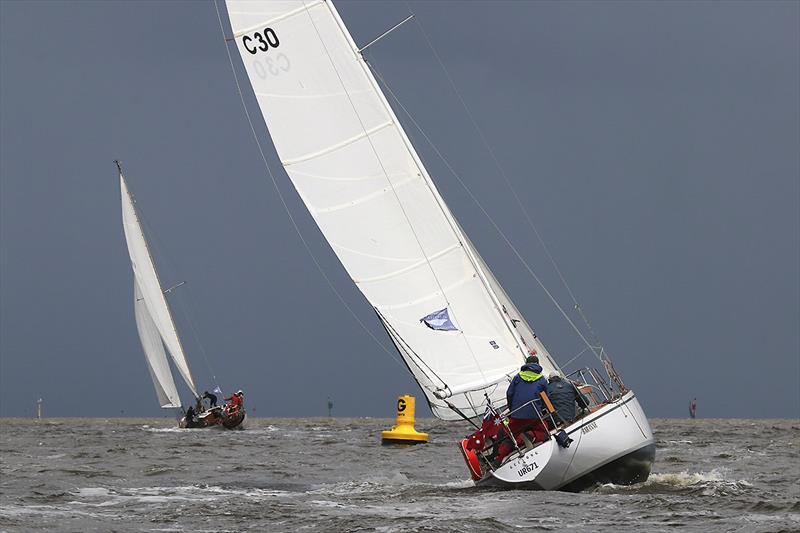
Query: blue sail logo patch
[(439, 320)]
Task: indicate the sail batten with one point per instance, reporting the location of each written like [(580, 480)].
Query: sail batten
[(367, 198), (391, 215), (337, 146), (152, 310), (420, 263)]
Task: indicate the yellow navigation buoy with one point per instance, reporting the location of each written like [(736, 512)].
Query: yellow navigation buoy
[(404, 432)]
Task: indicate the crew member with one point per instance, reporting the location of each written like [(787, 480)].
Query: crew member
[(236, 400), (523, 403), (564, 396), (191, 420), (212, 399)]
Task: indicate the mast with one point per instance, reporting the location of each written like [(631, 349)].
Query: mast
[(188, 378)]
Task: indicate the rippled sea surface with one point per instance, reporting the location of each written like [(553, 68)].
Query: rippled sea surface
[(333, 475)]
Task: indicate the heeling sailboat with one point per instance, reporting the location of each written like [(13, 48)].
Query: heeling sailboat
[(367, 189), (155, 323)]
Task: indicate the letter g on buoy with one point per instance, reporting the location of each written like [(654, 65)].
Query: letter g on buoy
[(403, 431)]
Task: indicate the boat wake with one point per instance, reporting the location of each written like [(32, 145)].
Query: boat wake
[(166, 430), (713, 483)]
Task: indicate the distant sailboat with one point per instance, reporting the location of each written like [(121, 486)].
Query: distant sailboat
[(459, 333), (155, 323)]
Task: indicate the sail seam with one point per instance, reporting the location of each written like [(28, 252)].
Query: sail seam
[(409, 268), (364, 134), (430, 296), (365, 198), (261, 25)]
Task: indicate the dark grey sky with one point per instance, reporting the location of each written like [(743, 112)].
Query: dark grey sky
[(654, 143)]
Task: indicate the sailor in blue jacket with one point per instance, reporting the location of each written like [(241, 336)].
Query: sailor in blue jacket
[(525, 388)]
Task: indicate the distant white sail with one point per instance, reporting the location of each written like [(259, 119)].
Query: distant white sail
[(154, 353), (148, 285), (359, 176)]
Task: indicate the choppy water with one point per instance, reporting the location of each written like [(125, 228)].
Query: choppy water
[(333, 475)]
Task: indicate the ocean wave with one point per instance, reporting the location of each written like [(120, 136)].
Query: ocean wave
[(29, 511), (166, 430), (104, 497), (158, 470), (368, 484), (390, 482)]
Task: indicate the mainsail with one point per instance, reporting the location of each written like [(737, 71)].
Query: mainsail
[(153, 317), (367, 189)]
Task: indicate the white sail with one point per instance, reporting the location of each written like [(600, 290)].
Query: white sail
[(154, 353), (523, 330), (147, 282), (357, 173)]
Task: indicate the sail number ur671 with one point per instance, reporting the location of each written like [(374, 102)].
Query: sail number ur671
[(261, 41)]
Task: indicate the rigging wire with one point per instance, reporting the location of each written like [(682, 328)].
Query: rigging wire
[(576, 356), (417, 360), (505, 177), (486, 214), (283, 200)]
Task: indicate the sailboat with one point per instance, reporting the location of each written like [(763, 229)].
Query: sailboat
[(459, 333), (157, 328)]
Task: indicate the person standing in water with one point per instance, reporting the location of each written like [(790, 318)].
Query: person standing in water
[(693, 408)]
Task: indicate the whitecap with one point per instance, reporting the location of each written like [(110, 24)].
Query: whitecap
[(166, 430), (464, 484)]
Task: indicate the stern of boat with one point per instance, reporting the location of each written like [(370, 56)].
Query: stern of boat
[(612, 444)]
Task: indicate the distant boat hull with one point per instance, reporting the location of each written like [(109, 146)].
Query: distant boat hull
[(216, 417), (612, 445)]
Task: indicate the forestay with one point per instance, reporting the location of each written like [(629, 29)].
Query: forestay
[(155, 311), (358, 175)]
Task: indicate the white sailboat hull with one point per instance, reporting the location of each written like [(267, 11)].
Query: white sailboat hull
[(612, 445)]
